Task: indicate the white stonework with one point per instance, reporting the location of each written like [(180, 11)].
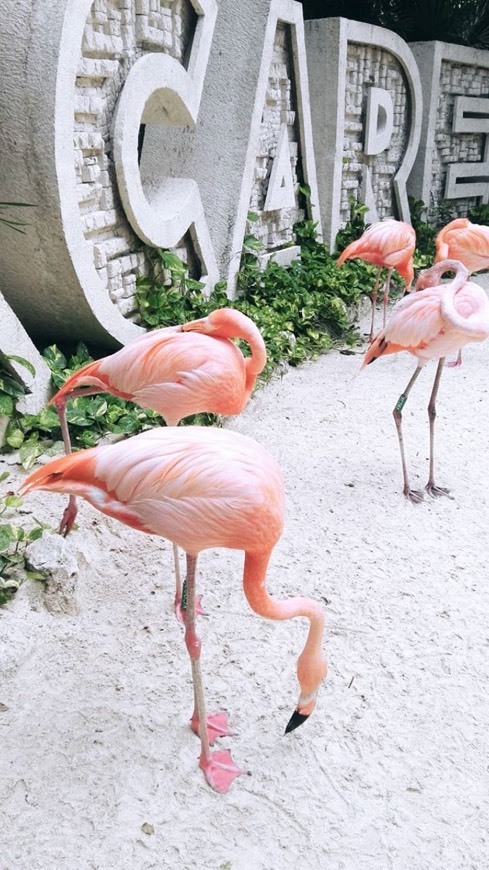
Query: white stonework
[(281, 108), (346, 60), (66, 79), (379, 125), (256, 82), (452, 162), (14, 340)]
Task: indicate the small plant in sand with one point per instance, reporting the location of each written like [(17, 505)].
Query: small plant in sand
[(14, 539)]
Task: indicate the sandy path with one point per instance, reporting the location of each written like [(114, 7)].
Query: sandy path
[(391, 771)]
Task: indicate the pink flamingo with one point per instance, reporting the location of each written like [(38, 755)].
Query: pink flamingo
[(467, 242), (200, 488), (177, 371), (389, 244), (430, 323)]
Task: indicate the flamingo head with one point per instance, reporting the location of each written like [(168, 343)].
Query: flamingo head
[(223, 323), (311, 671)]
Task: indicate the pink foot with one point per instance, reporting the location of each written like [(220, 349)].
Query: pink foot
[(220, 770), (68, 520), (453, 364), (180, 611), (217, 726)]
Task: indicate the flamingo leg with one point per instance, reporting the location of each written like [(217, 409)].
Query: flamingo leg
[(431, 488), (374, 300), (71, 510), (415, 496), (218, 767), (387, 286), (181, 592)]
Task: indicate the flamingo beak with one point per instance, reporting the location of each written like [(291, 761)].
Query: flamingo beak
[(295, 720), (196, 325)]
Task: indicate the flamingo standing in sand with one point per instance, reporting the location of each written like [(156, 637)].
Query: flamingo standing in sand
[(389, 244), (467, 242), (177, 371), (430, 323), (199, 488)]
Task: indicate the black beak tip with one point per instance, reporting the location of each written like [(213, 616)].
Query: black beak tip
[(295, 720)]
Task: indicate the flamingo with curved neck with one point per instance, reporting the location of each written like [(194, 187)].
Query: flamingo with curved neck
[(177, 371), (430, 323), (199, 488)]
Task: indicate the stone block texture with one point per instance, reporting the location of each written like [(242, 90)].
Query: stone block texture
[(367, 65), (118, 33), (274, 229)]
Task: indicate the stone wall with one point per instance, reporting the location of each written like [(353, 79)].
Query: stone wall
[(367, 65), (463, 80), (275, 228), (117, 34)]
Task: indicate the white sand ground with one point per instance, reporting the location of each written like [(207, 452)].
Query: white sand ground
[(391, 771)]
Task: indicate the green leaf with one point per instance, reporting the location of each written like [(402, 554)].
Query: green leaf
[(15, 438), (48, 419), (10, 386), (35, 533), (87, 438), (54, 358), (16, 558), (10, 583), (252, 216), (13, 501), (126, 424), (29, 452), (4, 475), (252, 243), (97, 408), (6, 538), (77, 414), (23, 362), (35, 575), (6, 405), (173, 263)]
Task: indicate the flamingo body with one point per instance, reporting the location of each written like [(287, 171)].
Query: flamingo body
[(417, 324), (388, 244), (181, 370), (200, 488), (177, 371), (196, 486), (464, 241)]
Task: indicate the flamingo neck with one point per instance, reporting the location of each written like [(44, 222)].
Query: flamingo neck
[(256, 362), (476, 330), (311, 665)]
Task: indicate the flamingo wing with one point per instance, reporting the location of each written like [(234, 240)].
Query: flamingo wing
[(464, 241), (415, 319), (196, 486)]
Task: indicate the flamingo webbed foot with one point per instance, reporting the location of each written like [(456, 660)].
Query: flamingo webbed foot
[(436, 491), (217, 726), (453, 364), (415, 496), (220, 770)]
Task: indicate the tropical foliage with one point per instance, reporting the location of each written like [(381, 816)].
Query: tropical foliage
[(465, 22)]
